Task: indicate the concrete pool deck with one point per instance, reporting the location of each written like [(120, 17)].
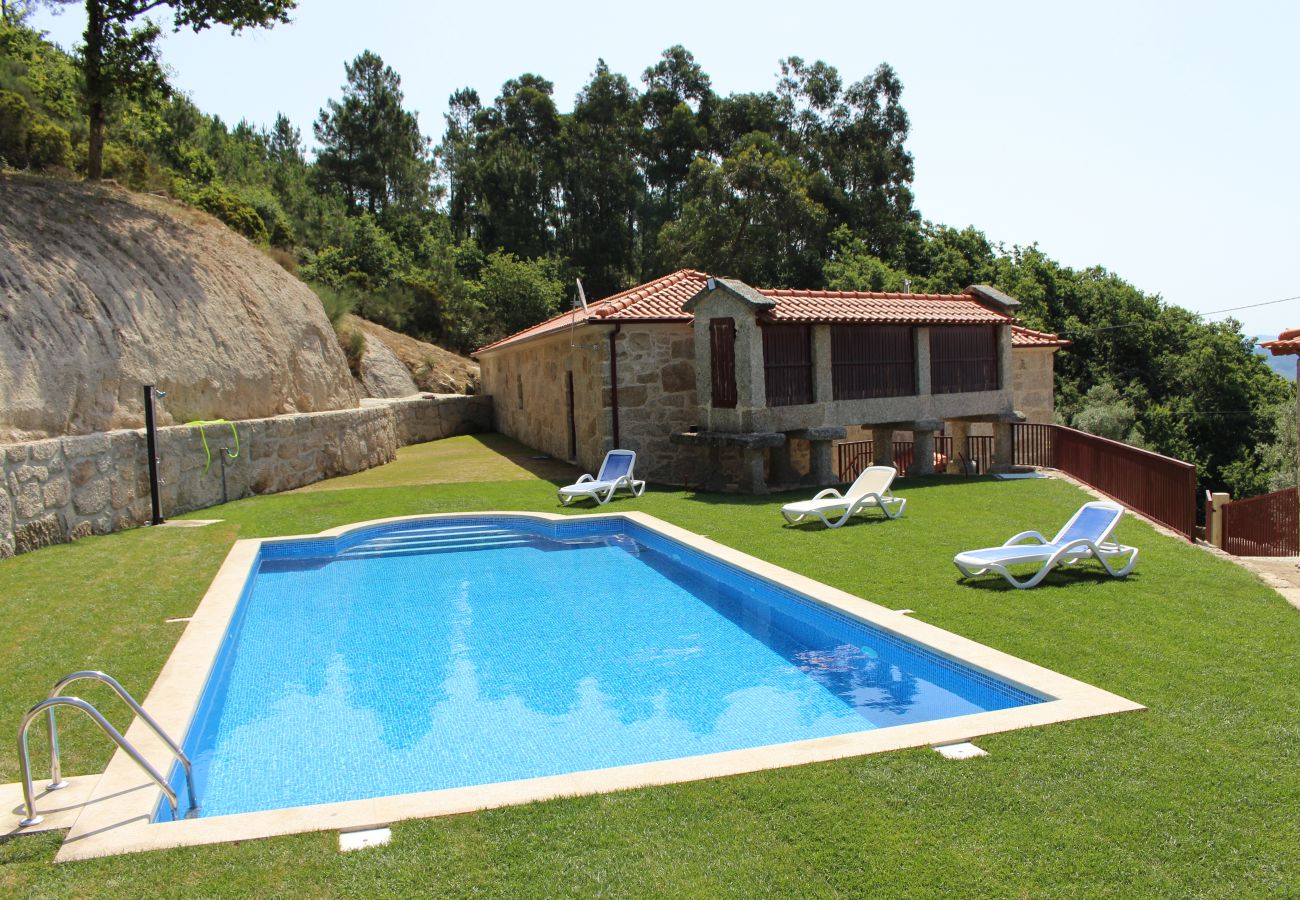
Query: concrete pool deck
[(117, 818)]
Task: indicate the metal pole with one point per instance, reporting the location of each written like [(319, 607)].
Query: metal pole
[(151, 441)]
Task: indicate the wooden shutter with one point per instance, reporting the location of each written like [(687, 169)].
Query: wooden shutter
[(873, 361), (787, 364), (722, 362)]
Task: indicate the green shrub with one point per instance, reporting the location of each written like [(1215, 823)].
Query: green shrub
[(125, 165), (278, 227), (195, 165), (230, 209), (15, 124), (48, 146), (337, 303), (353, 344)]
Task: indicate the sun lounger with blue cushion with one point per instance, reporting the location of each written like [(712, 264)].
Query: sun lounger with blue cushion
[(615, 475), (1085, 536)]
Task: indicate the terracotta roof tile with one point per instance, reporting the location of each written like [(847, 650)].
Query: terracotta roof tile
[(884, 308), (658, 301), (1027, 337), (661, 301), (1287, 343)]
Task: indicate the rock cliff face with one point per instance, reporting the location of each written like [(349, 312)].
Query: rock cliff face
[(102, 291)]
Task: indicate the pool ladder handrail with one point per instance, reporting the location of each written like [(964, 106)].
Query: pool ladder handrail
[(54, 700)]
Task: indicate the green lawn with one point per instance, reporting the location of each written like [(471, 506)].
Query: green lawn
[(1198, 796)]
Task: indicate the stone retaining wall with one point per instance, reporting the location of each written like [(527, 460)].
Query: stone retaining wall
[(61, 489)]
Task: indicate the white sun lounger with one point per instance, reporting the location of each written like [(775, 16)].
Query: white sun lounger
[(615, 475), (871, 489), (1085, 536)]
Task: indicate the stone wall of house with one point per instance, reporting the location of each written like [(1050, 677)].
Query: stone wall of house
[(528, 384), (1034, 381), (656, 397), (61, 489)]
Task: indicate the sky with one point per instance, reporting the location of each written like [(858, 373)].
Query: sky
[(1156, 139)]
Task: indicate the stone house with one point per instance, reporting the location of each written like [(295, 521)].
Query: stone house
[(712, 381)]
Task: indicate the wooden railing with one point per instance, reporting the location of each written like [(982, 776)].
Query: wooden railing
[(1263, 526), (1157, 486), (1033, 445)]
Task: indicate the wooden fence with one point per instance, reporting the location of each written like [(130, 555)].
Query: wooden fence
[(1157, 486), (1263, 526)]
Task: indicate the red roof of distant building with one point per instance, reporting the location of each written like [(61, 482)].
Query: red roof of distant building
[(661, 301), (1287, 343)]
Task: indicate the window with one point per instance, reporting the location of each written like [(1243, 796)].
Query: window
[(519, 390), (873, 361), (722, 361), (964, 358), (787, 364)]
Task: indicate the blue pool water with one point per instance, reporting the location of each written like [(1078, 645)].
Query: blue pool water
[(430, 655)]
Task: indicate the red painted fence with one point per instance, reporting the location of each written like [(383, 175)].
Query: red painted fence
[(1157, 486), (1263, 526)]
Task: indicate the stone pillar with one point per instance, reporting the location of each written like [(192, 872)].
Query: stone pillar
[(922, 362), (1214, 521), (959, 430), (1004, 451), (922, 451), (882, 446), (1006, 361), (783, 472), (823, 385), (822, 463), (752, 476), (713, 479)]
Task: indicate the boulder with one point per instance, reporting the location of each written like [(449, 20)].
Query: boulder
[(102, 291)]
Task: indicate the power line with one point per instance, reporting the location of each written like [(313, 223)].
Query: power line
[(1147, 323), (1248, 306)]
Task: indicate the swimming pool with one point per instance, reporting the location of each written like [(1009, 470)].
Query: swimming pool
[(432, 655), (443, 664)]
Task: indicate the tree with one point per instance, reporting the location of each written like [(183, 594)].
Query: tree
[(750, 217), (602, 186), (120, 61), (371, 148), (1107, 414), (676, 109), (515, 293), (852, 140)]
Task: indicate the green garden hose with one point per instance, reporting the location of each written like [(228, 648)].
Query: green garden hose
[(207, 454)]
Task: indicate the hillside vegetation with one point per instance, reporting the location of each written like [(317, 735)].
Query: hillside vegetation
[(806, 184)]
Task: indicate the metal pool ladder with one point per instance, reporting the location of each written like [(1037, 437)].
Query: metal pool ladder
[(52, 701)]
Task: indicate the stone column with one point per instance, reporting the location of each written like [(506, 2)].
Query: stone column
[(959, 430), (783, 472), (822, 463), (823, 384), (922, 451), (1004, 451), (713, 479), (1214, 523), (882, 446), (922, 362), (752, 477)]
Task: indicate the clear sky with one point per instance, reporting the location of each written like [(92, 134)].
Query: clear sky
[(1158, 139)]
